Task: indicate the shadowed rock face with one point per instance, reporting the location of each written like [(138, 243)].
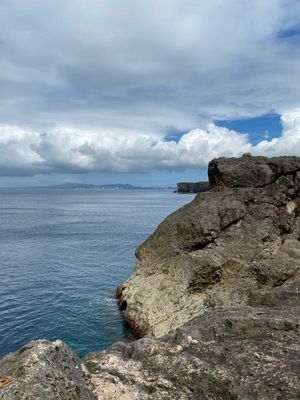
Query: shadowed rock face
[(242, 236)]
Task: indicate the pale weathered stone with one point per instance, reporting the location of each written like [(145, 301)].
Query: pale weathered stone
[(241, 353), (43, 370)]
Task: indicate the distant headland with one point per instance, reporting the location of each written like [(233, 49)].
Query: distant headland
[(192, 187)]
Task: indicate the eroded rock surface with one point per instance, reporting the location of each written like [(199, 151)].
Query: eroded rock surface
[(241, 353), (43, 370), (214, 252)]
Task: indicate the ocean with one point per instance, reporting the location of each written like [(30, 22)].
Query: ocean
[(62, 255)]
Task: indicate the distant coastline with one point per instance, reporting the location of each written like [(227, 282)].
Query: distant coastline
[(88, 186)]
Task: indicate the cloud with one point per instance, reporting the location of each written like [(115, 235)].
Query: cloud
[(289, 142), (89, 85), (145, 66), (66, 150)]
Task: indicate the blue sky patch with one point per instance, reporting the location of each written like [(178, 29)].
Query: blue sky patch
[(264, 127), (174, 135), (290, 33)]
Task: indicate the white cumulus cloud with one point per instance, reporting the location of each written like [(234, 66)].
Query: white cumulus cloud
[(69, 150), (289, 142)]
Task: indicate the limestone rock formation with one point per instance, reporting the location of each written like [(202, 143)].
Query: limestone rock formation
[(241, 353), (42, 370), (241, 237), (192, 187)]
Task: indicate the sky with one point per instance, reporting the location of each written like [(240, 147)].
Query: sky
[(144, 92)]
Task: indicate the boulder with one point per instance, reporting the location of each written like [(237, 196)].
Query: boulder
[(43, 370), (249, 171)]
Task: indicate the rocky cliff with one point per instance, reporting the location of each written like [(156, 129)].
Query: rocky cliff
[(220, 280), (220, 250), (192, 187)]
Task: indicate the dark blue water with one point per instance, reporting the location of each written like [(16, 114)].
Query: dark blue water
[(62, 254)]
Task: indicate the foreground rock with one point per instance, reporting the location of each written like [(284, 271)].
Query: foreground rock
[(214, 252), (240, 353), (43, 370)]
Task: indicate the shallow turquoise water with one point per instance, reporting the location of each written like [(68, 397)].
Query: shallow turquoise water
[(62, 254)]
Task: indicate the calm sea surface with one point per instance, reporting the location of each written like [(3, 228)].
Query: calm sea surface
[(62, 254)]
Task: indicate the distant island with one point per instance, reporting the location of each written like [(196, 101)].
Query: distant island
[(192, 187), (89, 186)]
